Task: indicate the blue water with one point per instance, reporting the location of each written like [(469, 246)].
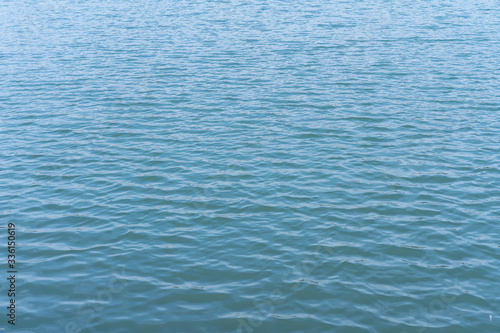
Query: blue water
[(251, 166)]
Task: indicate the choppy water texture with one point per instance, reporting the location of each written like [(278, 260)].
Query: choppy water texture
[(252, 166)]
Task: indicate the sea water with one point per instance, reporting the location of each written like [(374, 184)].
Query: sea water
[(251, 166)]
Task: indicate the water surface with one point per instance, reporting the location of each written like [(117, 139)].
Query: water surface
[(264, 166)]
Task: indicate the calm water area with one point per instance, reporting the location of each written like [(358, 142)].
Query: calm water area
[(251, 166)]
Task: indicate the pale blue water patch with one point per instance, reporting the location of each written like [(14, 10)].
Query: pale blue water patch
[(232, 166)]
